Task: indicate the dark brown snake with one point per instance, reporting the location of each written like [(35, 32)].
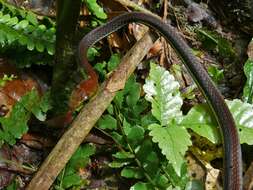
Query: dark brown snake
[(232, 151)]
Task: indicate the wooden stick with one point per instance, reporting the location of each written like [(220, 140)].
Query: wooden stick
[(89, 115)]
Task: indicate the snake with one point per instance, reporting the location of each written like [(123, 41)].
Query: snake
[(232, 160)]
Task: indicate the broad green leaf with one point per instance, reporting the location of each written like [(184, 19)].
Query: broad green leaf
[(205, 124), (71, 180), (135, 134), (243, 115), (173, 142), (248, 88), (107, 122), (198, 119), (163, 92), (37, 105)]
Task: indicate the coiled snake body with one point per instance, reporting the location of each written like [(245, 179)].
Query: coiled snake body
[(232, 151)]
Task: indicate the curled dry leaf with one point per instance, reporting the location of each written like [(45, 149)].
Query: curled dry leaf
[(15, 87)]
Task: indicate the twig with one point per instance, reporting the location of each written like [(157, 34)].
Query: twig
[(136, 7), (88, 116), (163, 41)]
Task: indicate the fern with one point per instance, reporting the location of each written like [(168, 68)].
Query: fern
[(20, 27), (163, 92), (14, 126)]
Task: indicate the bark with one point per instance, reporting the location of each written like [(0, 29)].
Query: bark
[(67, 17)]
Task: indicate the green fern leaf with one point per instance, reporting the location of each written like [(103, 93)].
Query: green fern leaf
[(173, 141), (20, 27), (163, 92)]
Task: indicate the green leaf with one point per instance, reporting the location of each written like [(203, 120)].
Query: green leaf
[(31, 17), (133, 95), (213, 41), (5, 18), (132, 172), (21, 28), (248, 88), (92, 53), (135, 134), (30, 45), (243, 115), (215, 73), (15, 125), (12, 186), (173, 142), (107, 122), (119, 164), (71, 180), (141, 186), (163, 92), (113, 62), (175, 179), (22, 24), (50, 49), (37, 105), (79, 159), (96, 9), (198, 119), (69, 177), (123, 155), (13, 21), (39, 47), (205, 124)]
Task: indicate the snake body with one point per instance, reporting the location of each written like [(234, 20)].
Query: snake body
[(232, 151)]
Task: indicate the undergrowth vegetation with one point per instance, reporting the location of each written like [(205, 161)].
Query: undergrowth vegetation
[(151, 135)]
